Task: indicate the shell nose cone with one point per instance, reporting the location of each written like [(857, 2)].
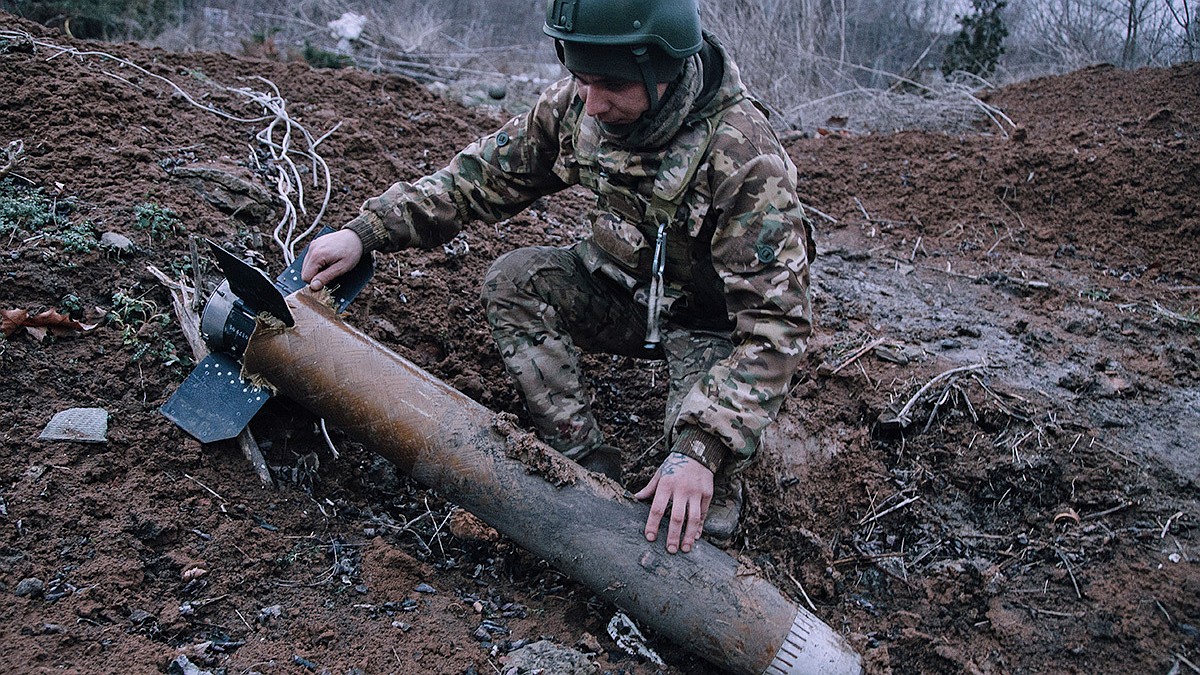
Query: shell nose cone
[(813, 648)]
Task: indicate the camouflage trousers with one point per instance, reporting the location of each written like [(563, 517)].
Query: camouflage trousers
[(544, 306)]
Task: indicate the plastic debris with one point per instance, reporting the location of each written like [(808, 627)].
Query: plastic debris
[(628, 637)]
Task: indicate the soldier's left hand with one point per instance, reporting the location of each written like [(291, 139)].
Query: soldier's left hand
[(687, 487)]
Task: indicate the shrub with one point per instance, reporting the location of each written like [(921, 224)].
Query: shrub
[(977, 47)]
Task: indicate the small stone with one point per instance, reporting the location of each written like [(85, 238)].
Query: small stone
[(588, 644), (116, 242), (891, 355), (550, 658), (266, 614), (140, 616), (30, 587), (83, 425), (182, 666), (497, 91), (425, 588), (193, 573)]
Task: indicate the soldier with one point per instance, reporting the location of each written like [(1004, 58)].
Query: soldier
[(698, 254)]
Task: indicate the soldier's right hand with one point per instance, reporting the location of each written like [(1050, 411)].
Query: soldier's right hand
[(329, 257)]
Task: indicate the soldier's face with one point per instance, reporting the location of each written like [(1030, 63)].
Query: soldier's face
[(614, 101)]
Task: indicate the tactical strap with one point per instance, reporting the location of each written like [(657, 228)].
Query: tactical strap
[(663, 208)]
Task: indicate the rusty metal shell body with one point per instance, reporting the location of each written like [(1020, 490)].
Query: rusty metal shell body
[(581, 523)]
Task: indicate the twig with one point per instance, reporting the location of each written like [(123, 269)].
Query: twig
[(121, 79), (1174, 316), (208, 489), (1170, 619), (1004, 406), (858, 353), (817, 211), (902, 416), (1070, 572), (329, 441), (12, 154), (802, 592), (182, 302), (883, 513), (885, 570), (863, 209), (1105, 512), (1185, 662), (437, 530), (1118, 454), (1007, 235), (862, 558), (198, 289), (1050, 612), (1166, 528), (253, 454), (239, 613)]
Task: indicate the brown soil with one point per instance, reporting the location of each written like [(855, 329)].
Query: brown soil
[(1037, 515)]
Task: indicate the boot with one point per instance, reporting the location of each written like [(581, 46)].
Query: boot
[(603, 459), (724, 510)]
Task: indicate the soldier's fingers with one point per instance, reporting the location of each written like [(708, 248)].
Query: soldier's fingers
[(675, 527), (648, 491), (695, 524), (328, 274), (314, 261), (657, 508)]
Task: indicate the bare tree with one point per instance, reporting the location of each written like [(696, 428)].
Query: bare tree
[(1186, 18)]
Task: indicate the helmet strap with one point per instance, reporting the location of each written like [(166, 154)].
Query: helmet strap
[(641, 54)]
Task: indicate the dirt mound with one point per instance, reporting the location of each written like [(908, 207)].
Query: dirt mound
[(988, 464)]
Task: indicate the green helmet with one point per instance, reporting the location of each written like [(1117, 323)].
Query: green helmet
[(646, 40), (671, 25)]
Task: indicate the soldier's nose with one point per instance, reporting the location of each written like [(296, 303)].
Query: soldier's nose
[(595, 104)]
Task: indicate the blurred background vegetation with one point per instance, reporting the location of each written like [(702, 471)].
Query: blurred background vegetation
[(894, 63)]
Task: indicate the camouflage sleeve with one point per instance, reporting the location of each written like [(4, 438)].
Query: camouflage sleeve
[(494, 178), (761, 250)]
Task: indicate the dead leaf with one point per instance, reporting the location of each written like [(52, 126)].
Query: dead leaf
[(50, 321), (10, 320), (841, 133)]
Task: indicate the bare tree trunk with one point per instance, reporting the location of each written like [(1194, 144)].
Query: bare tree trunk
[(1186, 18), (1132, 23)]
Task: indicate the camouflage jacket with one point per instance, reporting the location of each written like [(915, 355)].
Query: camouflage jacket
[(738, 246)]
